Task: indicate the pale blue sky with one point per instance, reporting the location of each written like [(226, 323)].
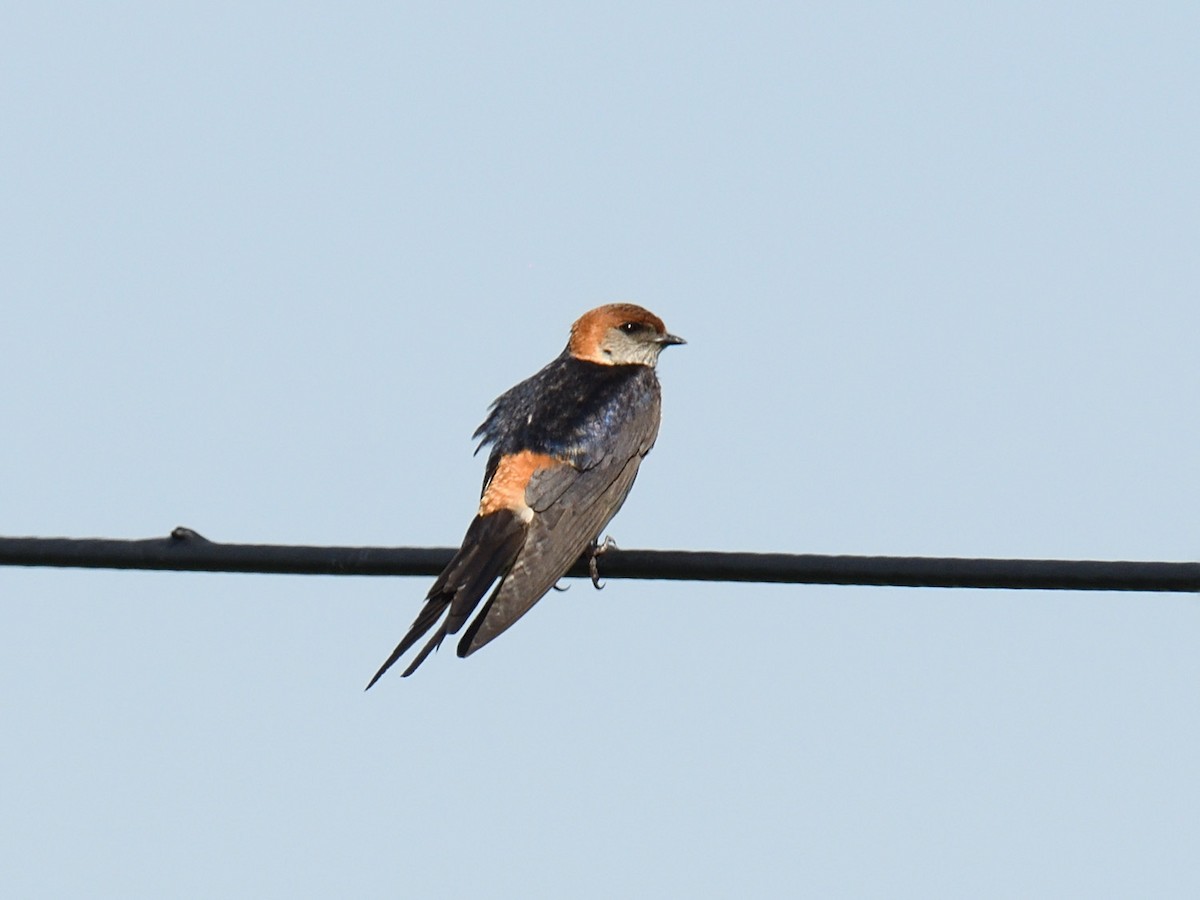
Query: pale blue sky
[(264, 267)]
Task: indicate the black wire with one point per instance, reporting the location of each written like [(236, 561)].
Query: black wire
[(185, 550)]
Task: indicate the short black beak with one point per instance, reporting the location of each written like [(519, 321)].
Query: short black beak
[(668, 339)]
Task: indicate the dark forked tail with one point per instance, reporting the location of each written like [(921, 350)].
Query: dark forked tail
[(488, 550)]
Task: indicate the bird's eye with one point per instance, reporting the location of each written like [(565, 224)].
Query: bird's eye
[(630, 327)]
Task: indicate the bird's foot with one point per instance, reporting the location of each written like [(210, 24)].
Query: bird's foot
[(595, 551)]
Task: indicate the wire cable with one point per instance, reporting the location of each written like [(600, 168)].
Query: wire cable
[(185, 550)]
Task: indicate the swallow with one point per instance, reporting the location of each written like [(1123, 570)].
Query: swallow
[(566, 445)]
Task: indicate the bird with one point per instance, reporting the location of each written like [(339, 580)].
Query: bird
[(566, 444)]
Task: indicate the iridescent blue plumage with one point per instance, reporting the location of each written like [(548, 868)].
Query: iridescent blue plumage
[(569, 410)]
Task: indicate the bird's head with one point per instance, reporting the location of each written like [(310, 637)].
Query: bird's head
[(620, 334)]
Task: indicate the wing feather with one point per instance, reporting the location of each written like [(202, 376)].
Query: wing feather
[(571, 507)]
